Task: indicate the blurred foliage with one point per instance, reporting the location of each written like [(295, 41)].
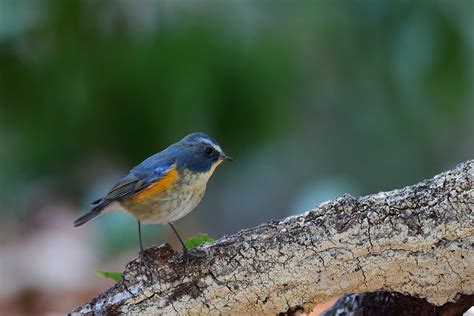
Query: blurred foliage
[(357, 88), (74, 89)]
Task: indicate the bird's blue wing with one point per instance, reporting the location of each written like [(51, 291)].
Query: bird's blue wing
[(139, 178)]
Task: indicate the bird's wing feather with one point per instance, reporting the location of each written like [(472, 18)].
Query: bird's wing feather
[(126, 187), (137, 180)]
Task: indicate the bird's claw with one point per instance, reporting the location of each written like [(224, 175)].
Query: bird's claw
[(145, 257), (146, 262), (186, 256)]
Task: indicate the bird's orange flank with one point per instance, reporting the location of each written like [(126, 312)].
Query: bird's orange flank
[(159, 186)]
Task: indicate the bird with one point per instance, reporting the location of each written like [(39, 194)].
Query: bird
[(164, 187)]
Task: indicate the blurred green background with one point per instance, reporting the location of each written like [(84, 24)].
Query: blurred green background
[(312, 98)]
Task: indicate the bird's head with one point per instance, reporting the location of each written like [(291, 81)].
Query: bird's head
[(200, 152)]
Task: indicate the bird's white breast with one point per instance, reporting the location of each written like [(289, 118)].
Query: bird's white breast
[(175, 202)]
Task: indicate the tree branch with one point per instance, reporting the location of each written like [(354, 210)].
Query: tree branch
[(418, 241)]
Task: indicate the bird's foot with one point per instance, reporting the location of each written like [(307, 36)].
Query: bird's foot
[(145, 257), (146, 264), (187, 256)]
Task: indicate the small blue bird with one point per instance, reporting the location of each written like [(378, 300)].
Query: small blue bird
[(166, 186)]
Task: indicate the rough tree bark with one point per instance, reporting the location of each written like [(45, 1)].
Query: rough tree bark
[(418, 241)]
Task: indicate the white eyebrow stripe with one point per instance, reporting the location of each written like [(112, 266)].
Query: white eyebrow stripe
[(208, 141)]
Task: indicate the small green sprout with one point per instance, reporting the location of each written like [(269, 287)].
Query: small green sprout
[(196, 241), (109, 275)]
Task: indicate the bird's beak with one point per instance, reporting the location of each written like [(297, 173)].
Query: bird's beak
[(226, 158)]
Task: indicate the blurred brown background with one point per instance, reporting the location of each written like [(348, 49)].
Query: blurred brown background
[(313, 98)]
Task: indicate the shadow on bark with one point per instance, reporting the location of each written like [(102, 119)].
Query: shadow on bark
[(395, 304)]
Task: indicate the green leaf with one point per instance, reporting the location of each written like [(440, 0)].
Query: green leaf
[(196, 241), (109, 275)]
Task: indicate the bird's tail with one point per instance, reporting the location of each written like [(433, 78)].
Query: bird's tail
[(96, 211), (85, 218)]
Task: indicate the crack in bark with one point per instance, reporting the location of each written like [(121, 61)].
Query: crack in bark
[(454, 271)]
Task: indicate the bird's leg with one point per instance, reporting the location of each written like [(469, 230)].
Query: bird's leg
[(185, 250), (180, 240), (143, 255), (140, 236)]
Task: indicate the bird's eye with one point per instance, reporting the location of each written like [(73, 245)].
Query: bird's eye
[(209, 151)]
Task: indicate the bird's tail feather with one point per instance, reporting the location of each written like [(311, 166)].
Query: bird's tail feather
[(87, 217)]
